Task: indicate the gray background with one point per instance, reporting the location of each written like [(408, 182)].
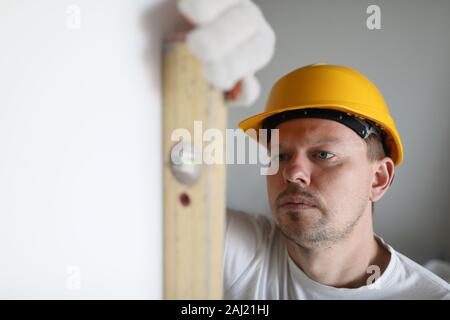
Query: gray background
[(409, 61)]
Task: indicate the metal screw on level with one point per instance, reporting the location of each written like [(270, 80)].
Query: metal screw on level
[(182, 163)]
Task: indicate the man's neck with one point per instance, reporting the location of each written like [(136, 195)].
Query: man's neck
[(343, 264)]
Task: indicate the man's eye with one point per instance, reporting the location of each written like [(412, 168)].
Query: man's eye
[(281, 157), (324, 155)]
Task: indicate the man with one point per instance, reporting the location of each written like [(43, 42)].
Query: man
[(337, 150)]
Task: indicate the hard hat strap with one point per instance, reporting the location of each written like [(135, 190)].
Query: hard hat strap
[(363, 127)]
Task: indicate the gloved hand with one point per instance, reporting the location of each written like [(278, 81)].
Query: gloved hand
[(233, 40)]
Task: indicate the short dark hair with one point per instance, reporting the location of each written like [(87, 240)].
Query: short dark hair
[(375, 151)]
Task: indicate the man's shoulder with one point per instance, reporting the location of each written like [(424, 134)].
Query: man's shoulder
[(427, 283), (257, 233), (250, 240), (257, 224), (234, 215)]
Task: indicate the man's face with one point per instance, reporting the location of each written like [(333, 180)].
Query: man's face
[(325, 164)]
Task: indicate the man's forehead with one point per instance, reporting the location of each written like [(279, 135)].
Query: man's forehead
[(284, 143), (313, 132)]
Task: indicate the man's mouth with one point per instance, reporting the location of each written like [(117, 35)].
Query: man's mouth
[(296, 202), (296, 206)]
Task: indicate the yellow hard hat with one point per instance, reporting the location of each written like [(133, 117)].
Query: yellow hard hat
[(340, 88)]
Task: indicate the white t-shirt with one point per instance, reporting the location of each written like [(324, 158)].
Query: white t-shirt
[(258, 266)]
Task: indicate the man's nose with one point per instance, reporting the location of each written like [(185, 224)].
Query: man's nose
[(298, 171)]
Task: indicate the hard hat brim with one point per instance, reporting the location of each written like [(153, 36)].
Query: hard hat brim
[(393, 140)]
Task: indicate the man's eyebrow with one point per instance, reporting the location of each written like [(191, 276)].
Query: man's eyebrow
[(328, 140)]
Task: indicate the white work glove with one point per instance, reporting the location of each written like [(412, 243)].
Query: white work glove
[(233, 40)]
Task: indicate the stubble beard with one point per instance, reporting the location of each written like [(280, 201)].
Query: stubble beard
[(320, 234)]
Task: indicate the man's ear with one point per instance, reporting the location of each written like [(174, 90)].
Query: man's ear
[(383, 176)]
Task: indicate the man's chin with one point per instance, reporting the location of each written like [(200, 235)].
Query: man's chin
[(301, 240), (298, 217), (296, 228), (304, 230)]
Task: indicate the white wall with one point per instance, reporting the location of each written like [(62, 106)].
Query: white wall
[(80, 148), (408, 59)]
